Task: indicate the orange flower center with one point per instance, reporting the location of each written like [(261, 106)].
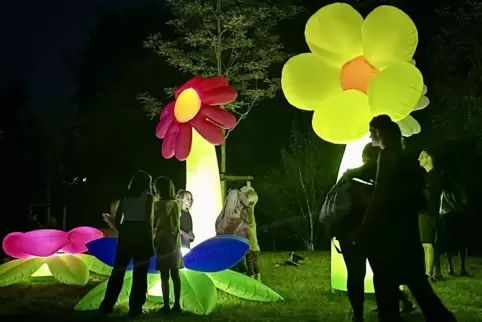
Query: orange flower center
[(357, 74), (187, 105)]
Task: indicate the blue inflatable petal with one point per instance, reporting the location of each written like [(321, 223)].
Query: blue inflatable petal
[(104, 249), (152, 265), (216, 254)]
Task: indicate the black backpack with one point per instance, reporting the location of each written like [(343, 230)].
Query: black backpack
[(345, 205)]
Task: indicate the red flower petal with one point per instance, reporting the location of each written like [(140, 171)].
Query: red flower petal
[(192, 83), (219, 96), (167, 115), (213, 83), (208, 130), (169, 142), (218, 116), (183, 141)]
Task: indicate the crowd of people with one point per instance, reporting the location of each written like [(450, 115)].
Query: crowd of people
[(401, 217), (154, 219)]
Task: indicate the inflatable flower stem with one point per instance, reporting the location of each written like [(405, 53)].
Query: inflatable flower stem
[(357, 69), (191, 127)]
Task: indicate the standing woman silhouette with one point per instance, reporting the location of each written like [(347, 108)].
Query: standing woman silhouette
[(134, 224), (167, 241)]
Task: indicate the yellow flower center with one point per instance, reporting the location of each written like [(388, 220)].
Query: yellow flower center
[(187, 105), (357, 74)]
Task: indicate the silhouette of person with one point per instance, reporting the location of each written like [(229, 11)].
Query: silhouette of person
[(134, 224), (390, 233)]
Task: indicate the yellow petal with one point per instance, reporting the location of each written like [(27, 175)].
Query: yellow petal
[(343, 118), (334, 33), (307, 80), (389, 35), (423, 103), (396, 91), (409, 126)]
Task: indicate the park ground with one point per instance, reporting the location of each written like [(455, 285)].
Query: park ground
[(306, 290)]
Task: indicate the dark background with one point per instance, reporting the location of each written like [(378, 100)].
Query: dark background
[(69, 75)]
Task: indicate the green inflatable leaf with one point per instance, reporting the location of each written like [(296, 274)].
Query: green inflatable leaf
[(95, 265), (91, 301), (198, 294), (19, 270), (243, 286), (69, 269), (154, 288)]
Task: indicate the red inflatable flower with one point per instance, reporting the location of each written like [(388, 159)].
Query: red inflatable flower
[(195, 106)]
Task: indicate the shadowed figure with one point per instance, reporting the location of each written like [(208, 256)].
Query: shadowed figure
[(390, 233), (134, 224), (167, 241), (361, 182)]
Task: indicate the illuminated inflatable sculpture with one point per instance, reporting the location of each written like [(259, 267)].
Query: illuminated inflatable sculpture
[(357, 69), (50, 252), (190, 127), (206, 269)]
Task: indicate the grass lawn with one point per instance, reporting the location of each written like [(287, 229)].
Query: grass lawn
[(306, 290)]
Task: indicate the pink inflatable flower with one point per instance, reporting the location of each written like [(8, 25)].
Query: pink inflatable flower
[(195, 107), (50, 252)]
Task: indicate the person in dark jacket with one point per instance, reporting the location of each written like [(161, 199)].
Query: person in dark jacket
[(453, 222), (389, 231), (353, 255), (187, 234), (133, 221), (428, 218)]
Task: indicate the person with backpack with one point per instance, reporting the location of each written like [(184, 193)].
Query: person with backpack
[(357, 185), (389, 232), (453, 223)]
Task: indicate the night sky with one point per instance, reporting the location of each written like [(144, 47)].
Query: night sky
[(38, 37)]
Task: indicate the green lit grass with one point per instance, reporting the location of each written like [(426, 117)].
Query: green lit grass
[(306, 290)]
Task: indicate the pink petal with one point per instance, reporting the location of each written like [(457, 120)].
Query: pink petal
[(167, 115), (213, 83), (9, 246), (80, 236), (208, 130), (192, 83), (218, 116), (183, 141), (169, 142), (219, 96), (43, 242)]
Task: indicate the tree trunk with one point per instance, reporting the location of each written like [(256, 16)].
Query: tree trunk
[(203, 181), (219, 61)]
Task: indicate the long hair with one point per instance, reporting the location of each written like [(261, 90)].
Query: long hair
[(229, 208), (140, 183), (388, 130), (164, 188)]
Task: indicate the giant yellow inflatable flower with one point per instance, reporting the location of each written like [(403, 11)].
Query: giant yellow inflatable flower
[(357, 69)]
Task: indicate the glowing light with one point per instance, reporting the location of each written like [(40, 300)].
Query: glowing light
[(352, 158), (187, 105), (203, 181), (43, 271)]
